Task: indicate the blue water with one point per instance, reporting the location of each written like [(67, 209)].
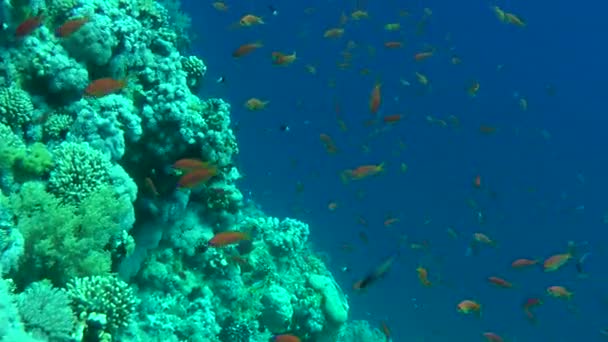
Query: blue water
[(543, 172)]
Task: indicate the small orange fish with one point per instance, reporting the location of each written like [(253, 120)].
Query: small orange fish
[(196, 178), (390, 221), (246, 49), (514, 19), (483, 239), (71, 26), (359, 14), (393, 45), (285, 338), (486, 129), (559, 292), (332, 206), (28, 26), (336, 32), (529, 304), (189, 164), (500, 282), (150, 186), (227, 238), (421, 56), (468, 306), (104, 86), (522, 263), (250, 20), (477, 182), (392, 119), (279, 58), (362, 172), (555, 262), (255, 104), (375, 99), (386, 331), (329, 144), (220, 6), (492, 337), (473, 89), (423, 276)]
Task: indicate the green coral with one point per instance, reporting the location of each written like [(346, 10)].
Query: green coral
[(37, 160), (10, 148), (64, 240), (79, 170), (108, 296), (15, 106), (195, 69), (56, 125)]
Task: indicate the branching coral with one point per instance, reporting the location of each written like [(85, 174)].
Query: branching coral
[(79, 170), (15, 106), (46, 312), (108, 296), (63, 241)]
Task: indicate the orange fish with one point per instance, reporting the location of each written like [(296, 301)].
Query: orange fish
[(468, 306), (514, 19), (559, 292), (220, 6), (329, 144), (555, 262), (255, 104), (390, 221), (250, 20), (227, 238), (473, 89), (279, 58), (335, 32), (492, 337), (195, 178), (71, 26), (285, 338), (423, 276), (500, 282), (28, 26), (483, 239), (332, 206), (246, 49), (393, 45), (386, 331), (375, 99), (477, 181), (362, 172), (485, 129), (528, 305), (421, 56), (189, 164), (522, 263), (104, 86), (392, 119), (150, 186)]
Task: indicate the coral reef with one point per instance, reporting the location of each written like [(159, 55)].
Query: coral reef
[(97, 243)]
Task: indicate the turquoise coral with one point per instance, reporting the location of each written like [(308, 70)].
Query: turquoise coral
[(79, 170), (104, 295), (16, 106)]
